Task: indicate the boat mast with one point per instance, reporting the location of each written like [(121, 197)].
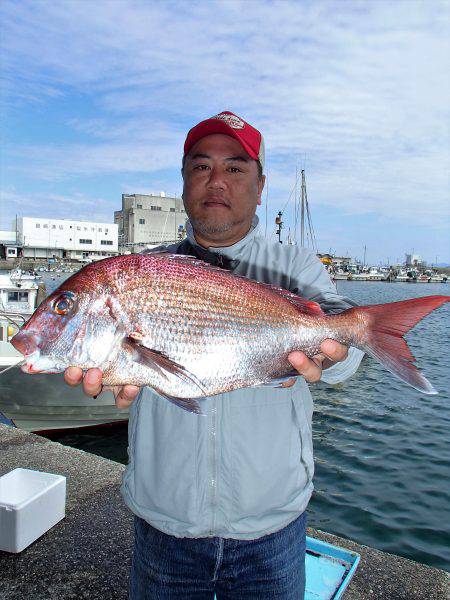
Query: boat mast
[(267, 202), (296, 203), (302, 212)]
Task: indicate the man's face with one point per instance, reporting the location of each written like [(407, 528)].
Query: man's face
[(221, 191)]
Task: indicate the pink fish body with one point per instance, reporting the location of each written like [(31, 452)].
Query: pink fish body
[(190, 330)]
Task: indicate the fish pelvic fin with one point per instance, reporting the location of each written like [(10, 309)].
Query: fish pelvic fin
[(158, 361), (188, 404), (388, 323)]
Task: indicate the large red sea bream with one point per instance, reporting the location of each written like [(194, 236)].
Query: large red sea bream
[(190, 330)]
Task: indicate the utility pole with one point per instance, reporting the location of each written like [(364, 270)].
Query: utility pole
[(279, 224), (364, 262)]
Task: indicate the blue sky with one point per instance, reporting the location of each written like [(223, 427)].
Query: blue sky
[(98, 98)]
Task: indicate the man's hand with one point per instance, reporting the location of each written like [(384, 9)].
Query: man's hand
[(92, 385), (311, 368)]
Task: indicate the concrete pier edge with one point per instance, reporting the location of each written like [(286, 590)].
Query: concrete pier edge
[(87, 555)]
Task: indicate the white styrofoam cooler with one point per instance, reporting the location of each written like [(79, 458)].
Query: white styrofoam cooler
[(31, 502)]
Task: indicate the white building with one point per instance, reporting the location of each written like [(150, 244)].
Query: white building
[(60, 238), (147, 219), (8, 244)]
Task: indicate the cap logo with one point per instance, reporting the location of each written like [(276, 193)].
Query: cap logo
[(231, 120)]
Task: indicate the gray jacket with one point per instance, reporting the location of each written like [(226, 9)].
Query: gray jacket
[(243, 469)]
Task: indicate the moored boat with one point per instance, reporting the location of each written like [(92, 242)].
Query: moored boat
[(18, 300)]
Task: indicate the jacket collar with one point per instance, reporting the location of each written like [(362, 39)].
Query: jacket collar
[(232, 252)]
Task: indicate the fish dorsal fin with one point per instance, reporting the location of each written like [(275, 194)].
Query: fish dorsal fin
[(308, 307), (157, 361)]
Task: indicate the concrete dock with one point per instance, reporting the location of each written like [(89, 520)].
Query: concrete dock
[(87, 555)]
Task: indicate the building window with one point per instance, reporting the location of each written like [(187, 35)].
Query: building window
[(38, 225), (53, 226), (85, 228), (141, 221), (106, 242), (172, 210), (78, 228), (155, 207), (93, 229), (45, 226), (60, 226), (85, 241), (99, 228), (17, 296), (106, 231), (11, 250)]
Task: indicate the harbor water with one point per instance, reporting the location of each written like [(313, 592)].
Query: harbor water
[(382, 449)]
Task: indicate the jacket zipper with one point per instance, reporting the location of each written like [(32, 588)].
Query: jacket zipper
[(213, 472)]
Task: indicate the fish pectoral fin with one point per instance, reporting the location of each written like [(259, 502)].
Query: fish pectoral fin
[(159, 362), (188, 404)]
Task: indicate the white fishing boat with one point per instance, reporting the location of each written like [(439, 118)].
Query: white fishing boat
[(18, 276), (375, 274), (435, 277), (339, 274), (51, 405), (18, 300), (402, 276)]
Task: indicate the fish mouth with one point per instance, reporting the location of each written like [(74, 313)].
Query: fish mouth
[(26, 368), (30, 359), (35, 363)]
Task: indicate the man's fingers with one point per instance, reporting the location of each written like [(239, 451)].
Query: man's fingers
[(311, 370), (92, 382), (92, 385), (334, 350), (125, 395), (73, 376)]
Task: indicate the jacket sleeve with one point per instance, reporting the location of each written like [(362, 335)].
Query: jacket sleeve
[(310, 279)]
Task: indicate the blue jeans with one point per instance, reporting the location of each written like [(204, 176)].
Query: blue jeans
[(165, 567)]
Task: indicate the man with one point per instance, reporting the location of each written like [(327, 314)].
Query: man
[(220, 499)]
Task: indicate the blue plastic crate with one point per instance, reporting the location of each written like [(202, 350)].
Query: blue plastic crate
[(5, 421), (329, 570)]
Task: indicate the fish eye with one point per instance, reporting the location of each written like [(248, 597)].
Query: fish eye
[(63, 304)]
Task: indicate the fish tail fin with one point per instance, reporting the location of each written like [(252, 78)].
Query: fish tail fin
[(388, 323)]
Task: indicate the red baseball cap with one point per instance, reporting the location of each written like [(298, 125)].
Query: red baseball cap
[(229, 124)]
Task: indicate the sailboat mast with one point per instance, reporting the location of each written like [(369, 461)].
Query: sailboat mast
[(267, 202), (302, 213)]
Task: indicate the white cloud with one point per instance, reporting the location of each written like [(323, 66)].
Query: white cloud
[(59, 206), (359, 88)]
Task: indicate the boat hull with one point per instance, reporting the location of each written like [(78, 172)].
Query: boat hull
[(44, 415)]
